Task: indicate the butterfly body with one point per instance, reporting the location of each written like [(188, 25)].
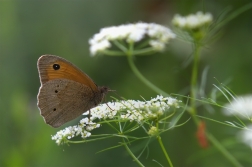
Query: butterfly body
[(66, 92)]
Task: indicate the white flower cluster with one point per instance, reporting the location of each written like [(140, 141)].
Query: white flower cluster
[(192, 21), (241, 106), (128, 110), (158, 34), (133, 110)]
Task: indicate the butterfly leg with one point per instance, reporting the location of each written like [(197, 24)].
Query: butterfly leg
[(89, 115)]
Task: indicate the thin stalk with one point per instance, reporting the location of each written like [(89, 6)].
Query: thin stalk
[(218, 145), (131, 154), (209, 136), (163, 149), (223, 150), (194, 77)]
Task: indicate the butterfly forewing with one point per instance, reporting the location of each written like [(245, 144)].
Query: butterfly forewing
[(54, 67)]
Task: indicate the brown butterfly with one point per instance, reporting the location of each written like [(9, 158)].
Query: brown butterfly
[(65, 92)]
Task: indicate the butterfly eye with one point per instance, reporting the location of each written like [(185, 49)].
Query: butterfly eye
[(56, 66)]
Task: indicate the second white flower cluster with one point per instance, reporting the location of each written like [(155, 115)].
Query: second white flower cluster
[(158, 34)]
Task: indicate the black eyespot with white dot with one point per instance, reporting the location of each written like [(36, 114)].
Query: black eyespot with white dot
[(56, 66)]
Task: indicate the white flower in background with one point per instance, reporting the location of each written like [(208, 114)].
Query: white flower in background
[(192, 21), (240, 106), (100, 46), (158, 35), (246, 136), (127, 110), (159, 46)]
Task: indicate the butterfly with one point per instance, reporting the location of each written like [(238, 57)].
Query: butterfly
[(65, 92)]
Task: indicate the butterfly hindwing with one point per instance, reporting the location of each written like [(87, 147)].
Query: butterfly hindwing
[(61, 100)]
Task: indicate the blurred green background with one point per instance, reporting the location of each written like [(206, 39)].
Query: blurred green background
[(29, 29)]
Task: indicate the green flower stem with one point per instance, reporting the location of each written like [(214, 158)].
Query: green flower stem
[(164, 151), (209, 136), (218, 145), (113, 53), (194, 77), (142, 78), (163, 148), (144, 52), (131, 154)]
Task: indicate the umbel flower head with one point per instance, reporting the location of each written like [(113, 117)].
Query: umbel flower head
[(123, 36), (192, 21), (240, 106), (139, 112)]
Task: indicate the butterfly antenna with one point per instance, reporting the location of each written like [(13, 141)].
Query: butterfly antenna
[(114, 91), (107, 103), (109, 107)]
